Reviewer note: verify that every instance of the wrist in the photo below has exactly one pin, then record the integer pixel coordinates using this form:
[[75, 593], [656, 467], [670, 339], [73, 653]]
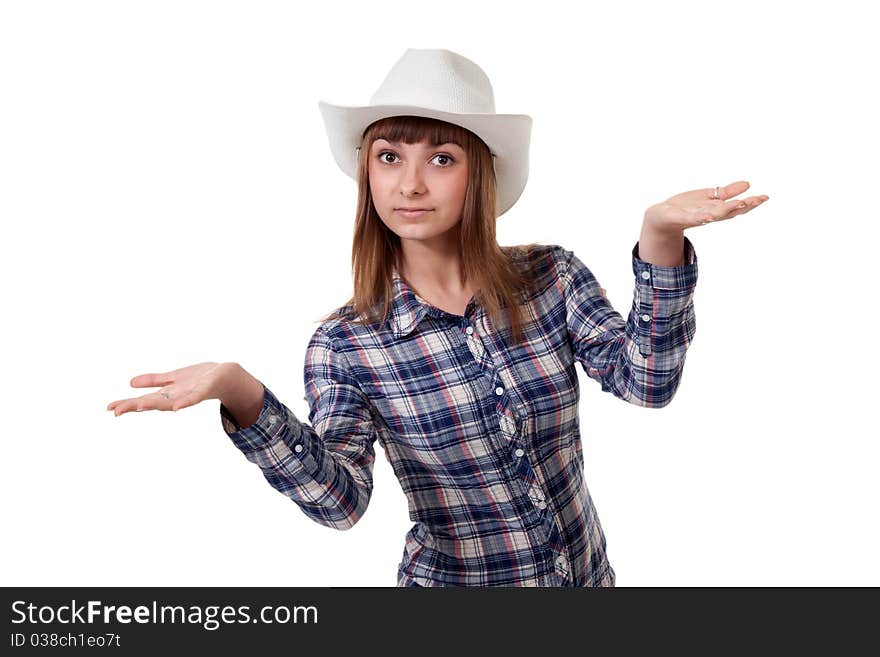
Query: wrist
[[230, 382], [653, 227], [242, 394], [661, 246]]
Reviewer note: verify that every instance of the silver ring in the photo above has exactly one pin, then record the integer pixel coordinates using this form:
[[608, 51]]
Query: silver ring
[[715, 195]]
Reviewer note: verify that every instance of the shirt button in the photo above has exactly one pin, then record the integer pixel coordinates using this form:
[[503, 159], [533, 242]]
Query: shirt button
[[542, 504], [469, 330], [646, 274], [646, 318], [519, 452], [298, 448], [272, 419], [499, 390]]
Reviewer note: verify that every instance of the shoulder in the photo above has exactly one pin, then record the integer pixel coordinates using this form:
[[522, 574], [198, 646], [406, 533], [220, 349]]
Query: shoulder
[[545, 263], [531, 257], [343, 329], [536, 256], [336, 322]]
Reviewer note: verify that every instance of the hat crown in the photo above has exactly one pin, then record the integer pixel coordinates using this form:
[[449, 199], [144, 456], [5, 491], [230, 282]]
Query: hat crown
[[437, 78]]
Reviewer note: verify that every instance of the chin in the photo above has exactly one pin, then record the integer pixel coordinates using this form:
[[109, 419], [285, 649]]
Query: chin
[[411, 233], [419, 232]]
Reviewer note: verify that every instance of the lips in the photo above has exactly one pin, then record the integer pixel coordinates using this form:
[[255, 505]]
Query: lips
[[411, 213]]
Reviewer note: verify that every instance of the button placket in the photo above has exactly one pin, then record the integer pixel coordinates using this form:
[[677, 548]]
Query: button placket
[[502, 417], [562, 566], [508, 426], [475, 345], [509, 419], [536, 495]]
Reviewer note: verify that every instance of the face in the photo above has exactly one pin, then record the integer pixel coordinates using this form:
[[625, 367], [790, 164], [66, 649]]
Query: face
[[418, 176]]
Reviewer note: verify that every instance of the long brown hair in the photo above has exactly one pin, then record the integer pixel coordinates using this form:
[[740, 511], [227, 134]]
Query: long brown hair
[[376, 249]]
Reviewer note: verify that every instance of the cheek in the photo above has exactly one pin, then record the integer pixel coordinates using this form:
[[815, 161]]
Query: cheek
[[458, 188], [378, 189]]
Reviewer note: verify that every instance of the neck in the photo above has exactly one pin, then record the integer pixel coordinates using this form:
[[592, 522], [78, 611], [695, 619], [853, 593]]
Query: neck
[[433, 265]]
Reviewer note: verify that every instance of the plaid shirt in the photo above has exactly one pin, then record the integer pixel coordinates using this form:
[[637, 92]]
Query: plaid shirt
[[483, 435]]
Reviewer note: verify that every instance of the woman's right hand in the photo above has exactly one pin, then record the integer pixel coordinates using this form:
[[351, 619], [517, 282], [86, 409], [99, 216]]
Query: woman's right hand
[[179, 388]]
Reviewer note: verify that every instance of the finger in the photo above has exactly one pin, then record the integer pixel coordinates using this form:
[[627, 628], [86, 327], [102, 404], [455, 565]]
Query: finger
[[153, 380], [721, 210], [740, 206], [121, 405], [754, 201], [129, 405], [728, 191], [151, 402]]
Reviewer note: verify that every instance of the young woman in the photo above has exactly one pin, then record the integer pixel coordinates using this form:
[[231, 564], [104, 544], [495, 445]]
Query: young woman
[[457, 354]]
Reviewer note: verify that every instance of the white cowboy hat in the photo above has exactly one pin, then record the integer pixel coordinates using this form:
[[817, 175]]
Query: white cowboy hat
[[439, 84]]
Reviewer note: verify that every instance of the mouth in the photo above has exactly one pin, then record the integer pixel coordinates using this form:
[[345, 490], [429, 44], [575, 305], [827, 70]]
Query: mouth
[[412, 212]]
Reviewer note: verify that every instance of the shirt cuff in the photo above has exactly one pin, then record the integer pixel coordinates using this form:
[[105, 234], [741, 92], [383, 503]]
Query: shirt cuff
[[289, 454], [263, 431], [663, 302], [667, 278]]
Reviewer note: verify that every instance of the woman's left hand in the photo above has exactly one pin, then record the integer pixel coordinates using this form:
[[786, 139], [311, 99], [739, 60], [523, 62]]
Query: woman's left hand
[[698, 207]]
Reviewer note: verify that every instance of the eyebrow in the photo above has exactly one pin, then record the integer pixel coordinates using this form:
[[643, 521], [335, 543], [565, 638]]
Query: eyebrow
[[398, 144]]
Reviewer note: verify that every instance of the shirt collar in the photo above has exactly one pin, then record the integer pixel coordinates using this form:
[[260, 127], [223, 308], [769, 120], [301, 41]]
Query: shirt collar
[[407, 308]]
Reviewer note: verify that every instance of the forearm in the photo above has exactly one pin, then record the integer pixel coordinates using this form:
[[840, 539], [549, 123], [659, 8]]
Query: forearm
[[665, 249], [329, 475], [244, 397], [638, 359], [647, 362]]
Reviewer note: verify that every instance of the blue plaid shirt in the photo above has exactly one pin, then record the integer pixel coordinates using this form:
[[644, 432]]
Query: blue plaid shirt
[[483, 435]]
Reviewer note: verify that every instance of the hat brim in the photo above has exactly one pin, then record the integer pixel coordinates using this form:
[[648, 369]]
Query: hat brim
[[507, 136]]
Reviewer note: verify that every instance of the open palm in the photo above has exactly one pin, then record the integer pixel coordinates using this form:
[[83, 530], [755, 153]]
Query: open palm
[[698, 207], [179, 388]]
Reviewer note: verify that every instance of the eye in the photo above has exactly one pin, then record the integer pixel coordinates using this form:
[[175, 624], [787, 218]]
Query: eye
[[382, 154]]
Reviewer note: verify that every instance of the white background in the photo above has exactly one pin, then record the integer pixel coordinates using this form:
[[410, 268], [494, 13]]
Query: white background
[[168, 196]]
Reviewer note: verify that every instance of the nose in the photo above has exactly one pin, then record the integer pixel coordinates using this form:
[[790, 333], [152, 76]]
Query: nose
[[411, 181]]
